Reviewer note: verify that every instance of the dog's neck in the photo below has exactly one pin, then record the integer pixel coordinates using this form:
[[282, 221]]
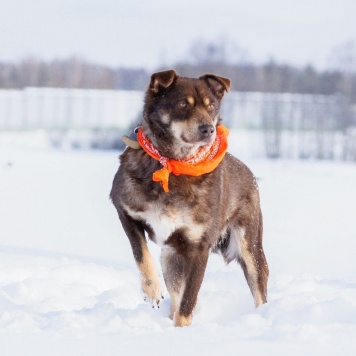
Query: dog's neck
[[206, 159]]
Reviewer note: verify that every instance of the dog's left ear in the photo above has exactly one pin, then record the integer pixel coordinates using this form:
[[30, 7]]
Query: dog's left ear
[[217, 84], [162, 80]]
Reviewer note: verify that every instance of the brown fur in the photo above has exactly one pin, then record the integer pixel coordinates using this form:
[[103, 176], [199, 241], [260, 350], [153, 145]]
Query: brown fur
[[218, 211]]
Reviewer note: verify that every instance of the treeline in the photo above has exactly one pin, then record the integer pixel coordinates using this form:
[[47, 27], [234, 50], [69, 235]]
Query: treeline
[[273, 77], [69, 73], [269, 77]]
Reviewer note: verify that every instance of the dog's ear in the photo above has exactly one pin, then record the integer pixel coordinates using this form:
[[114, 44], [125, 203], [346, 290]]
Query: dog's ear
[[162, 80], [217, 84]]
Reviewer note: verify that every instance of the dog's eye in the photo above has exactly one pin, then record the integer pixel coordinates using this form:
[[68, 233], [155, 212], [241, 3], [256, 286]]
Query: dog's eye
[[183, 104]]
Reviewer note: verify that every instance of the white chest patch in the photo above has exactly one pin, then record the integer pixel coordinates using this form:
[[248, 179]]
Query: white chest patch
[[164, 223]]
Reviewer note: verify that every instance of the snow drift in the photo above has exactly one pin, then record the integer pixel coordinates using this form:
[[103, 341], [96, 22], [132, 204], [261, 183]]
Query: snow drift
[[69, 285]]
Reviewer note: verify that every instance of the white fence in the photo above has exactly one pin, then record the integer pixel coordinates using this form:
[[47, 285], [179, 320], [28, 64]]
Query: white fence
[[77, 109], [64, 109], [308, 126]]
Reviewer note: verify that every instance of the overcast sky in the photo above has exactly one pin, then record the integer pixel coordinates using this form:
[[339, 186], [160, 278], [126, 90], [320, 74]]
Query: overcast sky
[[160, 32]]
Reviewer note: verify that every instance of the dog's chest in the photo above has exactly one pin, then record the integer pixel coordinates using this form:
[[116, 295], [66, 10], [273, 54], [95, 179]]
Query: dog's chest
[[164, 221]]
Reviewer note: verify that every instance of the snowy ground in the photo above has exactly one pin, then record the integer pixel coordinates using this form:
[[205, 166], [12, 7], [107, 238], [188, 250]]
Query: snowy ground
[[69, 285]]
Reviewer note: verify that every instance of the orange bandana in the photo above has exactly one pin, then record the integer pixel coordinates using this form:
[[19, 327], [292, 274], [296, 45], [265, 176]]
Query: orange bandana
[[204, 161]]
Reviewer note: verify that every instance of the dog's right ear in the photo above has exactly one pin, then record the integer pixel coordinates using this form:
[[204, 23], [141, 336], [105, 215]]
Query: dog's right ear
[[162, 80]]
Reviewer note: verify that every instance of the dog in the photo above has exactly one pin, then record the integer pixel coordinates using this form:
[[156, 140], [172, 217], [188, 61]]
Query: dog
[[179, 187]]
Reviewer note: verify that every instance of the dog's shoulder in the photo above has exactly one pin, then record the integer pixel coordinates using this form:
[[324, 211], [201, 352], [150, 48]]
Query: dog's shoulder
[[134, 177]]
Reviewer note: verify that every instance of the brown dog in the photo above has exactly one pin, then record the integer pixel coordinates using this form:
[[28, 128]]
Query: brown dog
[[190, 213]]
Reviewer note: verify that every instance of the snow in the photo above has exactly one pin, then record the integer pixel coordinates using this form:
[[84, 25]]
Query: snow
[[69, 284]]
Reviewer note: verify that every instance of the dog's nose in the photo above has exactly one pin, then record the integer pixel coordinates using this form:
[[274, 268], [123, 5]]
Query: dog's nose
[[206, 130]]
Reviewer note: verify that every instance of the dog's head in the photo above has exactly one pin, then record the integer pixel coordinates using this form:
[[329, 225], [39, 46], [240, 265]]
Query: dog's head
[[180, 113]]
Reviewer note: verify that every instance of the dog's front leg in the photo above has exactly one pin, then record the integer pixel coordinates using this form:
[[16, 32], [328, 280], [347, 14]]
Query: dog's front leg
[[183, 270], [196, 265], [150, 282]]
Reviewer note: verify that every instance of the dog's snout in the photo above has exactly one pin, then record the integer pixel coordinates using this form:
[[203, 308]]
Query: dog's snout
[[206, 130]]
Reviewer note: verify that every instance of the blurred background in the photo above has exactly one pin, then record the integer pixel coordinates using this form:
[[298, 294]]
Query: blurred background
[[72, 73]]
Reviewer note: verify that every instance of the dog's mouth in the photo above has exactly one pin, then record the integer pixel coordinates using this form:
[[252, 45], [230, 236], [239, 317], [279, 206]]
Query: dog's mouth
[[199, 142]]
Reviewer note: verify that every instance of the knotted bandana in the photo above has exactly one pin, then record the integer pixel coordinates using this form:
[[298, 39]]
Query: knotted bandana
[[206, 159]]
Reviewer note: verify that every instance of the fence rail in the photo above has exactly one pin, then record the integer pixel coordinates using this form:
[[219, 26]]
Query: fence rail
[[49, 108], [321, 126], [63, 109]]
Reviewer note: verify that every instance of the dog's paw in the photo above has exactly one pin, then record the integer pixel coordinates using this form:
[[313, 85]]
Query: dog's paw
[[152, 292], [154, 302], [180, 320]]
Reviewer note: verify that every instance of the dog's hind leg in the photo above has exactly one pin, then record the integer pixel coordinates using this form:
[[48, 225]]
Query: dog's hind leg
[[150, 282], [253, 262]]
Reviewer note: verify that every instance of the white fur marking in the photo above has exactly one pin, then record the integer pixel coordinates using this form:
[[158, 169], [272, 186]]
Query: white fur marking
[[178, 128], [239, 235], [165, 118], [164, 223], [234, 249]]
